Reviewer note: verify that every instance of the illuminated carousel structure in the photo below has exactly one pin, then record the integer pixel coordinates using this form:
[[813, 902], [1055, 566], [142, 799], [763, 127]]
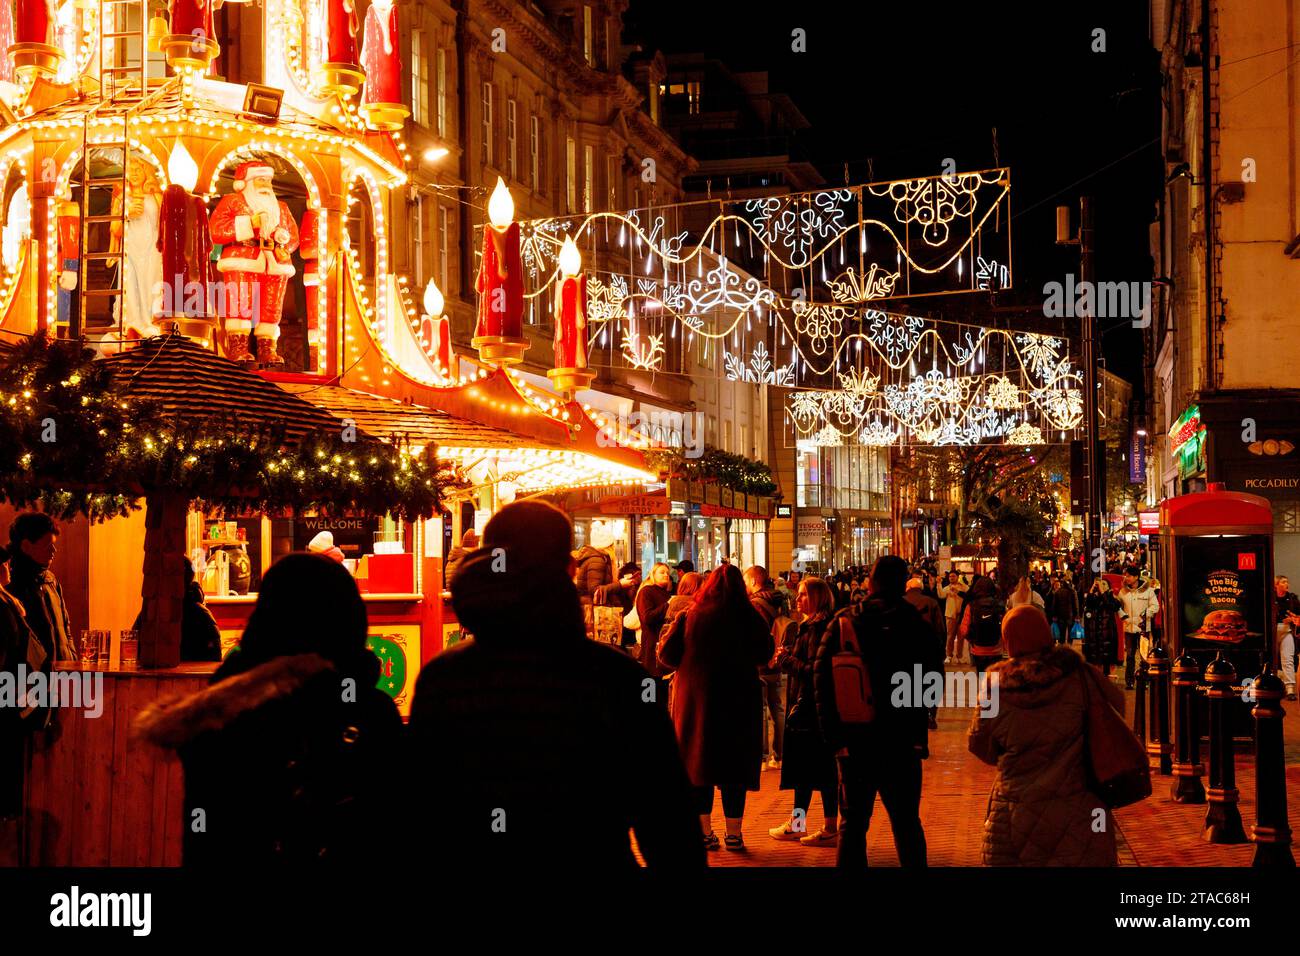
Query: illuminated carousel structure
[[112, 160]]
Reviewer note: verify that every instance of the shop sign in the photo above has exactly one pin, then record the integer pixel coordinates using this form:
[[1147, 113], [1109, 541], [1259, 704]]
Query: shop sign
[[1148, 522], [636, 505], [717, 511], [811, 526], [1183, 430], [1137, 459], [353, 536], [784, 511], [1263, 484]]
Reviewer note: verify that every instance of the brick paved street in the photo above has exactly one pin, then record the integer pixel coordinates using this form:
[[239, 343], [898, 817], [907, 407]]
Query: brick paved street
[[1156, 832]]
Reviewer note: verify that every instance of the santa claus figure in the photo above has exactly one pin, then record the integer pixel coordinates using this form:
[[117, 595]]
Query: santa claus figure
[[258, 236], [310, 250], [382, 101]]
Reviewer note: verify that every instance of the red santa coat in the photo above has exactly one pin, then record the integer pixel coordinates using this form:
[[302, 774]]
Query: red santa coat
[[244, 248], [309, 247]]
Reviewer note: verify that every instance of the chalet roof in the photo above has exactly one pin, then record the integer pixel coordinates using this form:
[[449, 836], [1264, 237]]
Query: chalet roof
[[400, 422], [195, 385]]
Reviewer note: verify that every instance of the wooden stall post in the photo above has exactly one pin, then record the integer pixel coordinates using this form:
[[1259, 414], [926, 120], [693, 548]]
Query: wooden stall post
[[163, 588]]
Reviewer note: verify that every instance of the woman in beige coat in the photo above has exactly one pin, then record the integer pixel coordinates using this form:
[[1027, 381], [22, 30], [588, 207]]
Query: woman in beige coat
[[1040, 811]]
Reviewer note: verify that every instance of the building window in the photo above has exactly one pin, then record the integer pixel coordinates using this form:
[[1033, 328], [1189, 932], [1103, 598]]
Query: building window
[[655, 90], [693, 96], [417, 242], [608, 45], [706, 352], [588, 45], [588, 178], [535, 152], [726, 435], [512, 140], [611, 183], [442, 93], [571, 174], [744, 448], [487, 124], [444, 249], [419, 80]]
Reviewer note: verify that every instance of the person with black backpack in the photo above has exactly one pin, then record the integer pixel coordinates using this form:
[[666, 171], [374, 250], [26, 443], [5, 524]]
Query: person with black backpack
[[878, 742], [981, 623]]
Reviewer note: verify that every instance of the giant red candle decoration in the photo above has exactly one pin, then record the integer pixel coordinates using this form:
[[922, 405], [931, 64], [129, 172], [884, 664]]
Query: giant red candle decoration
[[498, 335], [190, 44], [437, 331], [571, 372], [32, 51], [339, 71], [186, 247], [381, 103]]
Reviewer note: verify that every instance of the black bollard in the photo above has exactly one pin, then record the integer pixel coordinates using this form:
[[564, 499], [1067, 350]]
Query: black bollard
[[1187, 767], [1271, 832], [1140, 698], [1159, 748], [1222, 818]]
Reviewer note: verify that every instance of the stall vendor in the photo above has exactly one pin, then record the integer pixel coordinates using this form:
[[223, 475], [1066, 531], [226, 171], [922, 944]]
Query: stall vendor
[[323, 543]]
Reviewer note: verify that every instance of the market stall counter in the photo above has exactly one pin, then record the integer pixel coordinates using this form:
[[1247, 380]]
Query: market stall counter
[[93, 795]]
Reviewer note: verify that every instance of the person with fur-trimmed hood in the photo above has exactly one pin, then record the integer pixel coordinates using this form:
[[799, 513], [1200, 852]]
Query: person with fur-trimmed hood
[[289, 752], [1041, 812]]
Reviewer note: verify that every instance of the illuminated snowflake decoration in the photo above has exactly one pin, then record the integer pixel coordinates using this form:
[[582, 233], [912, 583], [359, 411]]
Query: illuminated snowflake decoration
[[828, 437], [760, 369], [894, 336], [805, 410], [990, 276], [1025, 434], [933, 203], [875, 283], [605, 300], [821, 325], [1063, 406], [877, 435], [859, 382], [643, 355], [800, 222], [723, 288], [1039, 352], [1003, 394]]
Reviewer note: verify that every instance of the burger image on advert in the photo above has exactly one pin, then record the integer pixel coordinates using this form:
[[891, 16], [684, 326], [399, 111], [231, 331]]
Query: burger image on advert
[[1226, 626]]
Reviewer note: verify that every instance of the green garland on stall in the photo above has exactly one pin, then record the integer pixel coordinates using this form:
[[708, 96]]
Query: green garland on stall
[[724, 469], [72, 444]]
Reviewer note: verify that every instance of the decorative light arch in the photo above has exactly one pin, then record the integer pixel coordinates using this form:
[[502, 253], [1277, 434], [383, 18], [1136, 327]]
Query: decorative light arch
[[8, 285]]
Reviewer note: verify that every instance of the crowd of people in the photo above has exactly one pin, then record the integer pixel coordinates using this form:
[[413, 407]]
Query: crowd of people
[[531, 727]]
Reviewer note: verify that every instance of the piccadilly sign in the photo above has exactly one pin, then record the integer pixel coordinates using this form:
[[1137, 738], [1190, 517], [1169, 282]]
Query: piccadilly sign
[[636, 505]]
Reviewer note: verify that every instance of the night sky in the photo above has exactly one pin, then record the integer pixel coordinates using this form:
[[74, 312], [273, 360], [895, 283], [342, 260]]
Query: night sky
[[913, 83]]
